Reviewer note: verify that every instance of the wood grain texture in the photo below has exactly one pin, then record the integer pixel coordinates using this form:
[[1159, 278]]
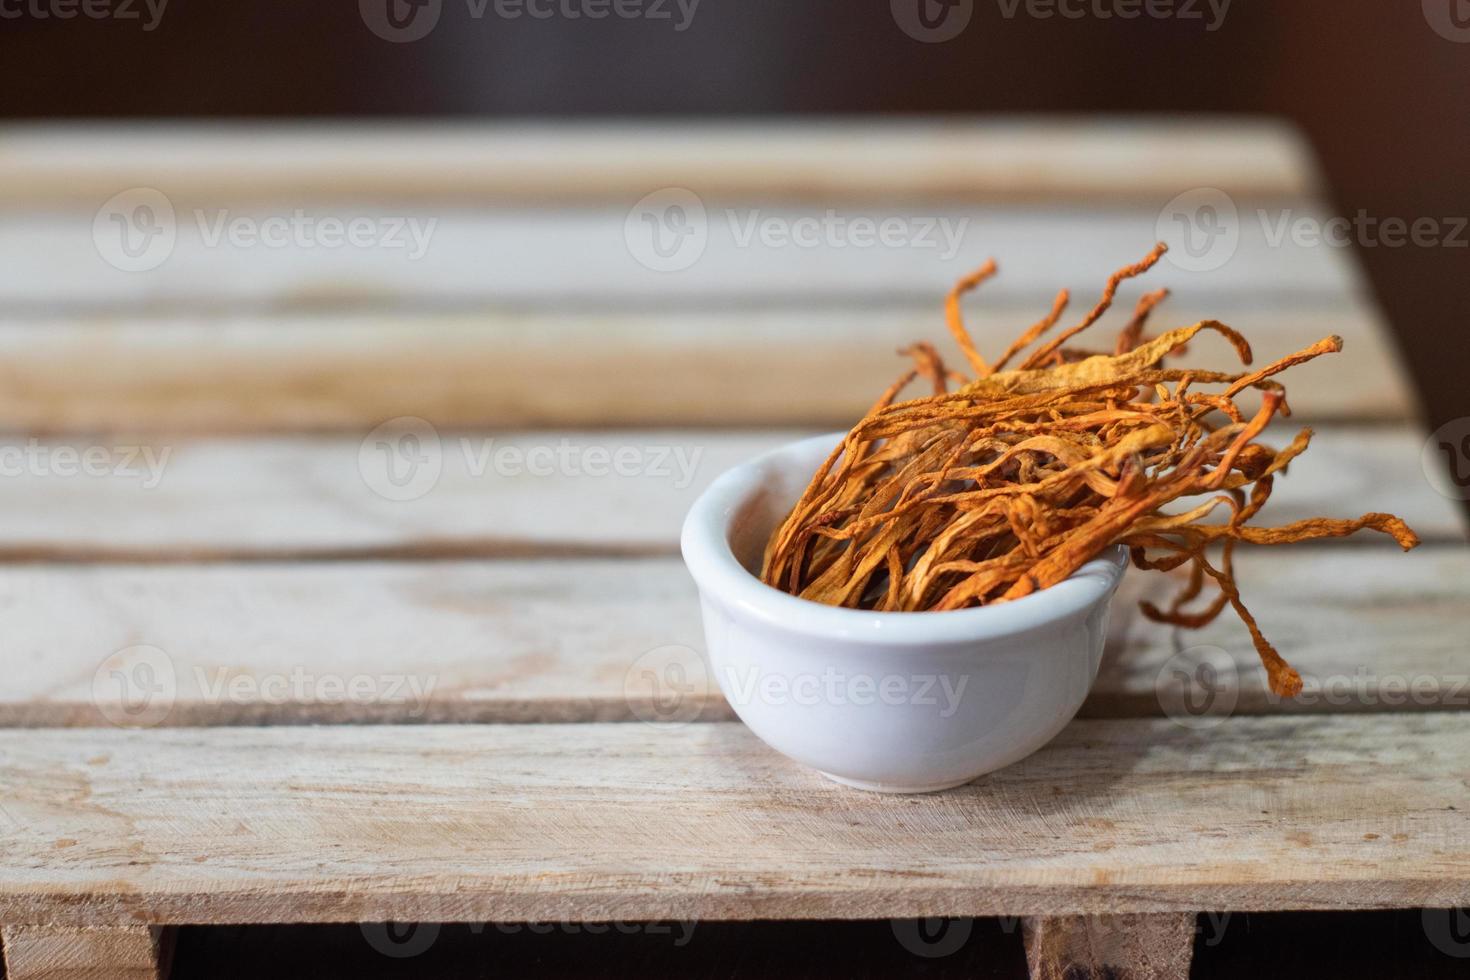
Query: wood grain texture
[[593, 257], [137, 952], [1370, 631], [500, 368], [501, 495], [589, 640], [597, 822], [976, 158], [1118, 947]]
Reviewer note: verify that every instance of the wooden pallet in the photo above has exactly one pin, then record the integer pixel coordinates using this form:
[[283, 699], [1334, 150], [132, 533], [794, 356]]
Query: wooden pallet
[[475, 664]]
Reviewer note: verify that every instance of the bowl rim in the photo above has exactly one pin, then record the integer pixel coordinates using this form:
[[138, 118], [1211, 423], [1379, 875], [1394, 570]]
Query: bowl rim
[[720, 576]]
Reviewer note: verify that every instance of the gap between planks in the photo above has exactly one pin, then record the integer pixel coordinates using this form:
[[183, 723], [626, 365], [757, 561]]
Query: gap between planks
[[591, 823], [1371, 630], [1120, 947]]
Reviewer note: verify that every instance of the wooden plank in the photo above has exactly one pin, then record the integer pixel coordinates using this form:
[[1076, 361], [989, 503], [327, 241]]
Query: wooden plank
[[281, 644], [968, 157], [496, 495], [572, 368], [1370, 631], [739, 254], [545, 822], [84, 952], [1117, 947], [589, 640]]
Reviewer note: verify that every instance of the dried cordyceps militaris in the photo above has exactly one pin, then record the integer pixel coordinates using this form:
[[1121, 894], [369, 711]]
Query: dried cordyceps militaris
[[1018, 478]]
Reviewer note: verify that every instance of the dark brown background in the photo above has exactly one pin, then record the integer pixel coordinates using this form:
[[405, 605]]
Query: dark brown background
[[1384, 98]]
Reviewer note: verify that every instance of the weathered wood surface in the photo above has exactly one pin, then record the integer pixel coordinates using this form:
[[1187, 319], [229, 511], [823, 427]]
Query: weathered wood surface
[[1110, 947], [119, 952], [532, 305], [785, 365], [500, 495], [591, 640], [595, 822], [413, 258], [1083, 160]]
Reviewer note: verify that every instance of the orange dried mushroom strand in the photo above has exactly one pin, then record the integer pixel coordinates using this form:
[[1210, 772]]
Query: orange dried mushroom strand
[[1018, 478]]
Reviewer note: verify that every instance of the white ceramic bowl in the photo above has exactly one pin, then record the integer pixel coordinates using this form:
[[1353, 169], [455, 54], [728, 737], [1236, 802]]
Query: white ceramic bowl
[[892, 702]]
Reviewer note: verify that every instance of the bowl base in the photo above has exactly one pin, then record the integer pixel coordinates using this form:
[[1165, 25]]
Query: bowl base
[[896, 788]]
